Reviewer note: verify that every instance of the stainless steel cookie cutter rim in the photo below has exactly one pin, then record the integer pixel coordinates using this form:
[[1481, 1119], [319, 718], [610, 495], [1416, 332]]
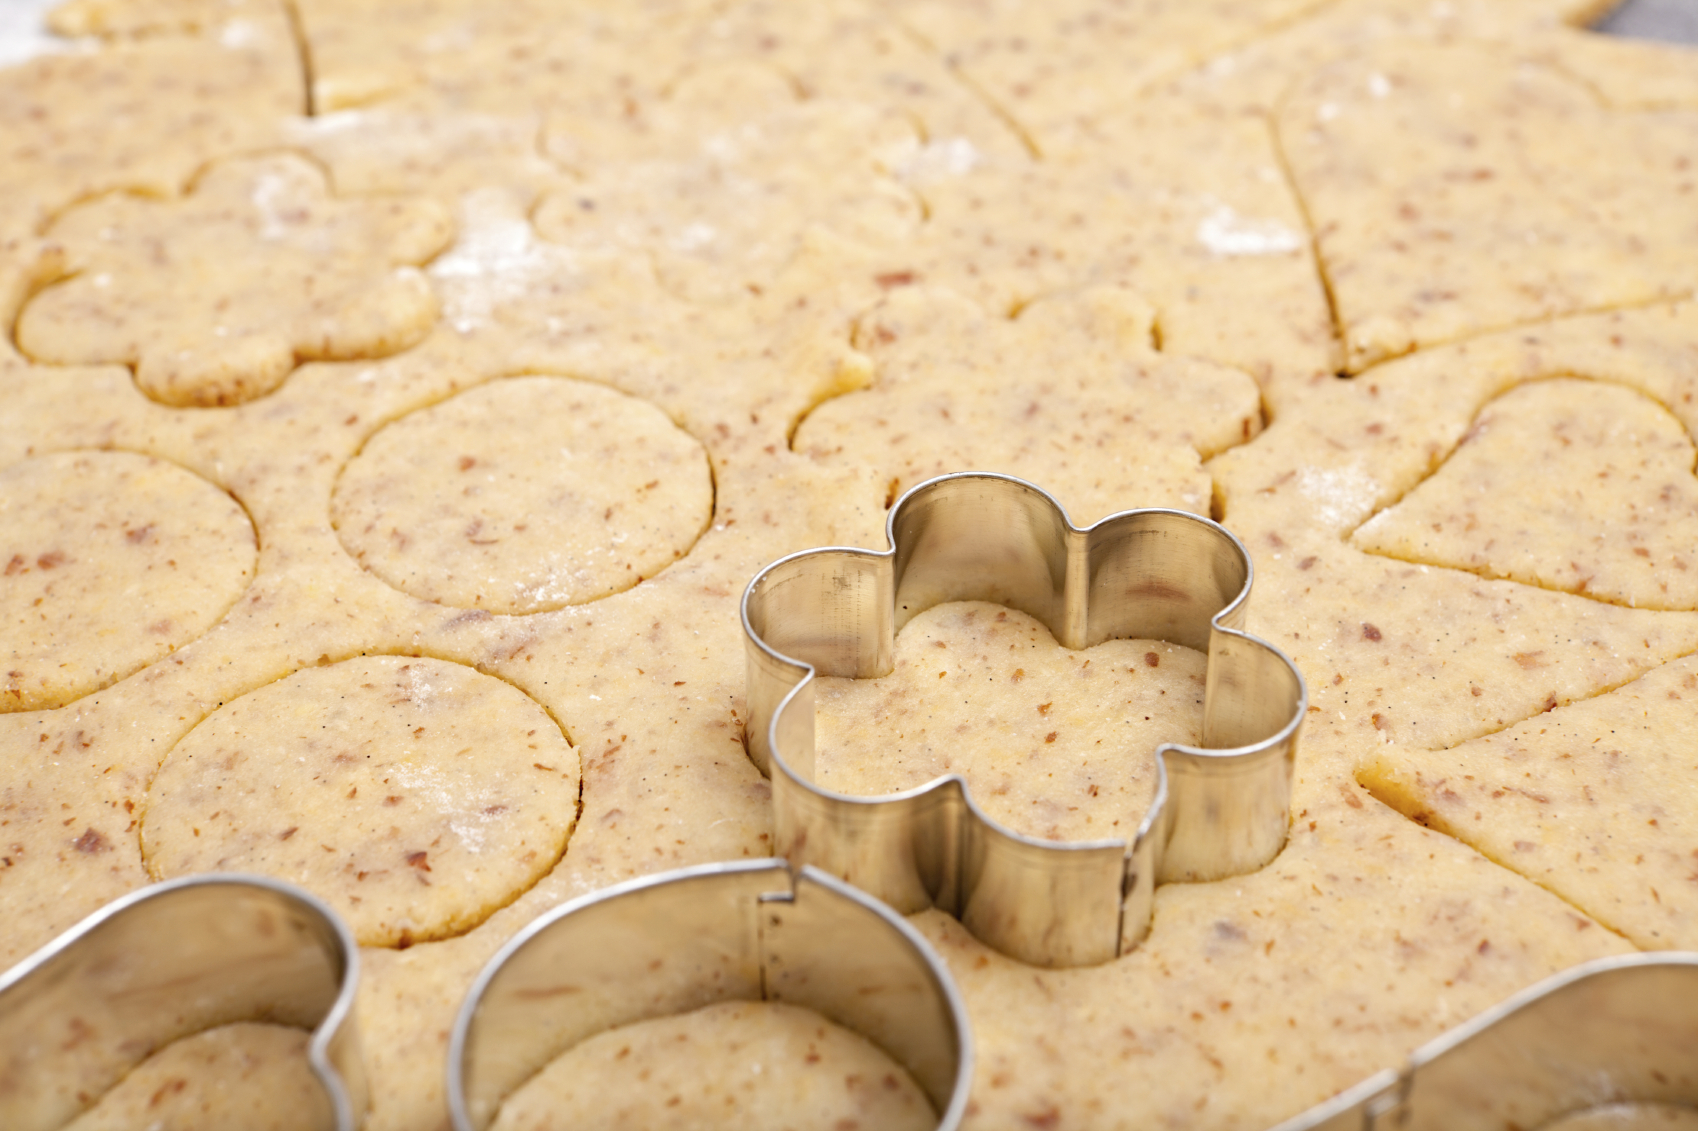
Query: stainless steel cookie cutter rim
[[1544, 1048], [333, 1052], [947, 1052], [857, 599]]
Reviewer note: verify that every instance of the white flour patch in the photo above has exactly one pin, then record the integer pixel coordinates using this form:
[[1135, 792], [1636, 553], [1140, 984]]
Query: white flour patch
[[1341, 495], [1225, 232]]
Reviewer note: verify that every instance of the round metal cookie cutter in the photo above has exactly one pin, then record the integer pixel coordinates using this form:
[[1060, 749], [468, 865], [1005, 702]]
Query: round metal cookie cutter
[[168, 961], [1220, 809], [681, 940]]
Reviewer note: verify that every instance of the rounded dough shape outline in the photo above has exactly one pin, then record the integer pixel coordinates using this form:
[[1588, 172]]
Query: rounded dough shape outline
[[487, 909], [1347, 536], [121, 673], [552, 606]]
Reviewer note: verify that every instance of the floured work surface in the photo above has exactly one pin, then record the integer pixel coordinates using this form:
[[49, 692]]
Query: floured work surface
[[400, 394]]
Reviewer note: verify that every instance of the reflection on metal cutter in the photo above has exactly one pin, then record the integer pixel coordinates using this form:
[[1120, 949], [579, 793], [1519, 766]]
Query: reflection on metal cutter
[[169, 961], [1220, 810], [685, 939], [1617, 1030]]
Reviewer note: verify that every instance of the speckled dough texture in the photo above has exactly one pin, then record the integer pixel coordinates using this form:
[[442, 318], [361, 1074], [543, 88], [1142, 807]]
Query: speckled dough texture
[[399, 395]]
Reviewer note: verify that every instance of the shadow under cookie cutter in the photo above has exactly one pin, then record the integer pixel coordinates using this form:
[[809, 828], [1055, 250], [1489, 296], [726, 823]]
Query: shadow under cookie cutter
[[678, 941], [169, 961], [1612, 1031], [1219, 810]]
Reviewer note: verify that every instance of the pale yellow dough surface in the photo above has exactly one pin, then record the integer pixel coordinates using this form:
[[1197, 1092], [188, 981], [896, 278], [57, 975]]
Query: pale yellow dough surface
[[759, 265], [1053, 744], [108, 561], [436, 795], [1630, 1117], [765, 1067], [247, 1075], [215, 298], [1619, 523], [524, 495]]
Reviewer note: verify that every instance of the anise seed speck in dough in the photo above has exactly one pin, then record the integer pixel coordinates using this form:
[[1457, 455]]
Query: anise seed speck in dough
[[415, 796], [108, 561], [524, 495]]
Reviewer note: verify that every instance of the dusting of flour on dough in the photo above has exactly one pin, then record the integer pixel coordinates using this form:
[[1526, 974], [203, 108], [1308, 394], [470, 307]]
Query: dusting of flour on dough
[[1225, 232]]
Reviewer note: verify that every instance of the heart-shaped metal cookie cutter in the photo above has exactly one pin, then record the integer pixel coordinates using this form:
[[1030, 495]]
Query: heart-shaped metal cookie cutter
[[1220, 809], [169, 961], [666, 944], [1620, 1030]]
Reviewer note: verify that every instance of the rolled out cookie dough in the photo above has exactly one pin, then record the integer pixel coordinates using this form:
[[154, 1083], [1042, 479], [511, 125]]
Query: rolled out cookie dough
[[415, 795], [1596, 801], [1053, 743], [1447, 200], [523, 495], [1566, 484], [1070, 395], [250, 1076], [215, 297], [758, 1066], [109, 561]]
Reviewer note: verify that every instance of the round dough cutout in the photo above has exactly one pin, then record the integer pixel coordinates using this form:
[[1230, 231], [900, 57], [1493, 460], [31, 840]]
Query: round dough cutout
[[525, 495], [416, 796], [108, 562]]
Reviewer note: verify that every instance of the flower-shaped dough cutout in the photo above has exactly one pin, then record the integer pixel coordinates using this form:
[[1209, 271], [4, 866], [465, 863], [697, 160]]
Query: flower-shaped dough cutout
[[1054, 743], [1053, 396], [108, 562], [525, 495], [1566, 484], [214, 298], [416, 796]]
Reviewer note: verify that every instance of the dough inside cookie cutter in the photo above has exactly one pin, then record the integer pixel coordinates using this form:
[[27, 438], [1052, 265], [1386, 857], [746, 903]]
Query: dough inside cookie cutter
[[681, 940], [1221, 809], [169, 961], [1616, 1030]]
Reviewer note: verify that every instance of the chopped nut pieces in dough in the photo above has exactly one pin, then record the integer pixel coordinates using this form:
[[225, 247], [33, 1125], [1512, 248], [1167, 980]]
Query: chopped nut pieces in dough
[[414, 795], [1618, 522], [762, 1066], [854, 166], [261, 268], [1054, 744], [524, 495], [1593, 800], [223, 1078], [1070, 395], [721, 222], [142, 116], [1447, 198], [108, 561]]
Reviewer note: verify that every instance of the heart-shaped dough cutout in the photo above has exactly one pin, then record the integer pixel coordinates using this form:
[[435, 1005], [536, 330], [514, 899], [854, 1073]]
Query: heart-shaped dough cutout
[[1565, 484]]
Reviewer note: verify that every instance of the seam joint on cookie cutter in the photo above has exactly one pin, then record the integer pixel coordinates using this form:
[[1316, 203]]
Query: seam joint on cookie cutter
[[1220, 809], [169, 961], [681, 940]]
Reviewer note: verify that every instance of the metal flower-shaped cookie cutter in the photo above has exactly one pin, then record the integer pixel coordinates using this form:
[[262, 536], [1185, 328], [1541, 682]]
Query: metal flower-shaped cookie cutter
[[681, 940], [1617, 1030], [1219, 810], [169, 961]]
